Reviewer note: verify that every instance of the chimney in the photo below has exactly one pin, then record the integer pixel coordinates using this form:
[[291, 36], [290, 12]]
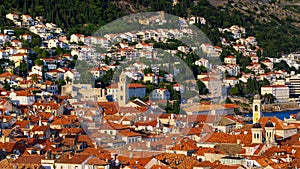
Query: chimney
[[172, 116], [40, 121], [71, 154], [288, 159], [238, 141], [3, 138], [148, 144], [103, 92], [130, 155]]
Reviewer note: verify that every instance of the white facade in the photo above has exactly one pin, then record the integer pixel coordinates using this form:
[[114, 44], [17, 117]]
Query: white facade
[[294, 85], [230, 60], [77, 38], [22, 98], [160, 94], [281, 92]]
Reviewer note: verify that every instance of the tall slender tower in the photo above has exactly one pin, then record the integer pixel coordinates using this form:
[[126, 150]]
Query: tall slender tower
[[123, 90], [256, 109]]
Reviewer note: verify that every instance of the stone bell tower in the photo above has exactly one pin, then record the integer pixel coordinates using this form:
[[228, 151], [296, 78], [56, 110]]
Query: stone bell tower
[[123, 90]]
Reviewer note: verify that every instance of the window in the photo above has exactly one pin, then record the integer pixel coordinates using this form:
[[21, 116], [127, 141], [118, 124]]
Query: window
[[121, 97], [121, 88], [256, 108]]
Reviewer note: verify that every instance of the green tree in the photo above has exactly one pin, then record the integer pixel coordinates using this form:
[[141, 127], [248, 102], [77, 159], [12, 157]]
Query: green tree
[[6, 85], [234, 91], [202, 88], [23, 69], [60, 83], [147, 70], [282, 65], [25, 9], [268, 98], [68, 79], [35, 78], [228, 101], [38, 62], [7, 44]]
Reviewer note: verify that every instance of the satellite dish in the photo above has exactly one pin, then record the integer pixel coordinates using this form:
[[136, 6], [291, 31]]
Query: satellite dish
[[3, 93]]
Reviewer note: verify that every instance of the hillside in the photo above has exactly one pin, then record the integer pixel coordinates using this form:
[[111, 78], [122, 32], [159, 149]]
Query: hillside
[[275, 24]]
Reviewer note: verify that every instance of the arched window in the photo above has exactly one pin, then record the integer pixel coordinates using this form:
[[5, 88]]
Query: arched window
[[256, 108]]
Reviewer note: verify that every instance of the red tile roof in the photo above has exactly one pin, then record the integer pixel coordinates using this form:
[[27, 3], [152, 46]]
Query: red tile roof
[[128, 133], [72, 159], [130, 85]]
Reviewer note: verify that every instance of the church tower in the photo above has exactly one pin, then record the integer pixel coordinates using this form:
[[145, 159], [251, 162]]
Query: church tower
[[123, 90], [270, 132], [257, 133], [256, 109]]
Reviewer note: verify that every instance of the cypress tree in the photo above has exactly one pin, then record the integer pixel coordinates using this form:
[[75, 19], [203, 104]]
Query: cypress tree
[[25, 10]]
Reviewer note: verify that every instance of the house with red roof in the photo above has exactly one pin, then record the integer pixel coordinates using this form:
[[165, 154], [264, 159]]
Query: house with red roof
[[7, 76], [22, 97], [16, 43], [18, 57], [148, 125], [98, 71], [26, 18], [230, 60], [72, 75], [54, 74], [268, 63], [186, 147], [129, 136], [5, 105], [41, 132], [12, 16], [232, 81], [209, 154], [160, 94], [26, 37], [73, 160], [76, 38]]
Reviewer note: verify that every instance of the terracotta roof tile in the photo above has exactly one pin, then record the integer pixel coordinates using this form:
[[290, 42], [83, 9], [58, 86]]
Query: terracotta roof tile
[[73, 159]]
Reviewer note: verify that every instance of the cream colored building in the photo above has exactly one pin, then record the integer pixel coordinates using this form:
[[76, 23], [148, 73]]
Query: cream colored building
[[83, 92]]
